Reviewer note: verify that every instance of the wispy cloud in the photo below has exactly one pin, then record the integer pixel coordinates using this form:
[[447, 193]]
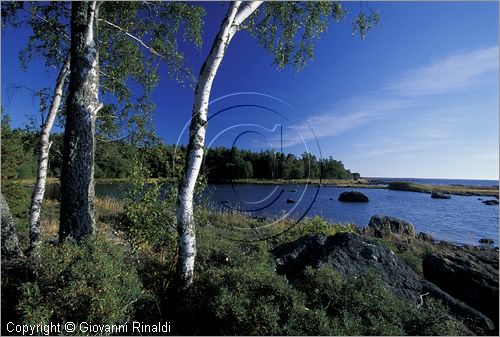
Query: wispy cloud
[[448, 75]]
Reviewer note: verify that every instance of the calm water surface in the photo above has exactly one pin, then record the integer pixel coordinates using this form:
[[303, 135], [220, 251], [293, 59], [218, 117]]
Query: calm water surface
[[459, 219]]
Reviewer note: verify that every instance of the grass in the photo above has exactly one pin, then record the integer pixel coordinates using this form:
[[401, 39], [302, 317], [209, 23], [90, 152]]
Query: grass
[[450, 189], [236, 289]]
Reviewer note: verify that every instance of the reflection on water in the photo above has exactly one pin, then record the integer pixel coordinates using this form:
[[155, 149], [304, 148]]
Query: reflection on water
[[459, 219]]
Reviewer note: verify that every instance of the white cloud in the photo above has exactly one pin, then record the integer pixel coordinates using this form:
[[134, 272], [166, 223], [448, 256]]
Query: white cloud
[[448, 75]]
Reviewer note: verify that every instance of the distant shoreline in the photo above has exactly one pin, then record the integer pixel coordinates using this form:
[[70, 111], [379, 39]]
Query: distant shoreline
[[454, 189]]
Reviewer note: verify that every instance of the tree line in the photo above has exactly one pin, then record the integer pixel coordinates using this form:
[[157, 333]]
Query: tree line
[[99, 48], [116, 159]]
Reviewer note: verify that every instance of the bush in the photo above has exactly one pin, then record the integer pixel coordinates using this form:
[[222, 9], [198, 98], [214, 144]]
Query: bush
[[413, 261], [238, 292], [315, 225], [362, 306], [150, 209], [85, 281]]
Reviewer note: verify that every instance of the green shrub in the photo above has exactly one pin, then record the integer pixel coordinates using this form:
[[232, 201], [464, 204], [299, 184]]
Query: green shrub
[[150, 209], [244, 295], [362, 306], [413, 261], [85, 281]]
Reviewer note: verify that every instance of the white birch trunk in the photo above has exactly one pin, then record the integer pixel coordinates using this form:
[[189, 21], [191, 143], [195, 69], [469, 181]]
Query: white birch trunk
[[43, 157], [194, 156]]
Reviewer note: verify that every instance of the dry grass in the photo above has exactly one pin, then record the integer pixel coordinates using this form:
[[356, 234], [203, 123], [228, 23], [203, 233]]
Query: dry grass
[[109, 204], [451, 189], [50, 227]]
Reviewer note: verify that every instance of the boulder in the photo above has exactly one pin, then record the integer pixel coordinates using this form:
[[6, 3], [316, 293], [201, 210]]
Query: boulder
[[356, 256], [470, 276], [353, 196], [290, 201], [381, 226], [490, 202], [10, 240], [352, 255], [439, 195], [425, 237]]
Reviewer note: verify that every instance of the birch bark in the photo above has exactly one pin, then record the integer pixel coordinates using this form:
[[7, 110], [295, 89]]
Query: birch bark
[[43, 157], [236, 14], [77, 216]]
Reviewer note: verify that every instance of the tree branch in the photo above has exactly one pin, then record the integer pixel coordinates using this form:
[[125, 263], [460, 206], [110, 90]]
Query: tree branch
[[151, 49], [34, 14], [245, 11]]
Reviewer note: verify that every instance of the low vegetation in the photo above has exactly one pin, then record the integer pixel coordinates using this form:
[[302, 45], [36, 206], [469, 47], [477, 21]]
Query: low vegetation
[[236, 291], [448, 189]]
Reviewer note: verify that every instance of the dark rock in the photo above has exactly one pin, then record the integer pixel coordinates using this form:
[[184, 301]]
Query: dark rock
[[490, 202], [425, 237], [486, 242], [386, 227], [439, 195], [290, 201], [292, 191], [353, 196], [356, 256], [10, 240], [352, 255], [471, 276]]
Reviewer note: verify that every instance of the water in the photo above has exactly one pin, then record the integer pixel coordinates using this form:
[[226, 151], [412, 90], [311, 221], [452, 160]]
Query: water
[[461, 219]]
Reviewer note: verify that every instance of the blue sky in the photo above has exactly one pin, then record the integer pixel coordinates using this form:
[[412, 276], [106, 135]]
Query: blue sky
[[417, 98]]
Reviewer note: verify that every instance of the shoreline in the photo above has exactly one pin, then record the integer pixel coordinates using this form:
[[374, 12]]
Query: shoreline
[[453, 189]]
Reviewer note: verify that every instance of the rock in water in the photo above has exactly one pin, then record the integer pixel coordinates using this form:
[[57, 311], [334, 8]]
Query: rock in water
[[290, 201], [470, 276], [439, 195], [381, 226], [353, 196], [490, 202]]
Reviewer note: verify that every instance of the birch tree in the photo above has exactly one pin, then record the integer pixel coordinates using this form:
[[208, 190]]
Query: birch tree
[[134, 37], [77, 217], [288, 31], [43, 156]]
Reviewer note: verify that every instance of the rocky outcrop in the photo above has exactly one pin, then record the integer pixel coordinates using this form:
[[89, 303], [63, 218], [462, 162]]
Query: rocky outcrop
[[352, 255], [439, 195], [471, 276], [490, 202], [355, 255], [353, 196], [10, 241], [381, 226]]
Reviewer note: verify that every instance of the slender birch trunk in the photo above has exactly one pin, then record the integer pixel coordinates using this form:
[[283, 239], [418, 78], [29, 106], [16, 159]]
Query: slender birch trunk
[[194, 155], [43, 157], [77, 217]]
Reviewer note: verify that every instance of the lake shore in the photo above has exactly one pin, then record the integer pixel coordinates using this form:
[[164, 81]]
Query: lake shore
[[366, 183], [453, 189]]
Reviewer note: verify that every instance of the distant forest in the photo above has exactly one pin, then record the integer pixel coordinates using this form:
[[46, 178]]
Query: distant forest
[[118, 158]]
